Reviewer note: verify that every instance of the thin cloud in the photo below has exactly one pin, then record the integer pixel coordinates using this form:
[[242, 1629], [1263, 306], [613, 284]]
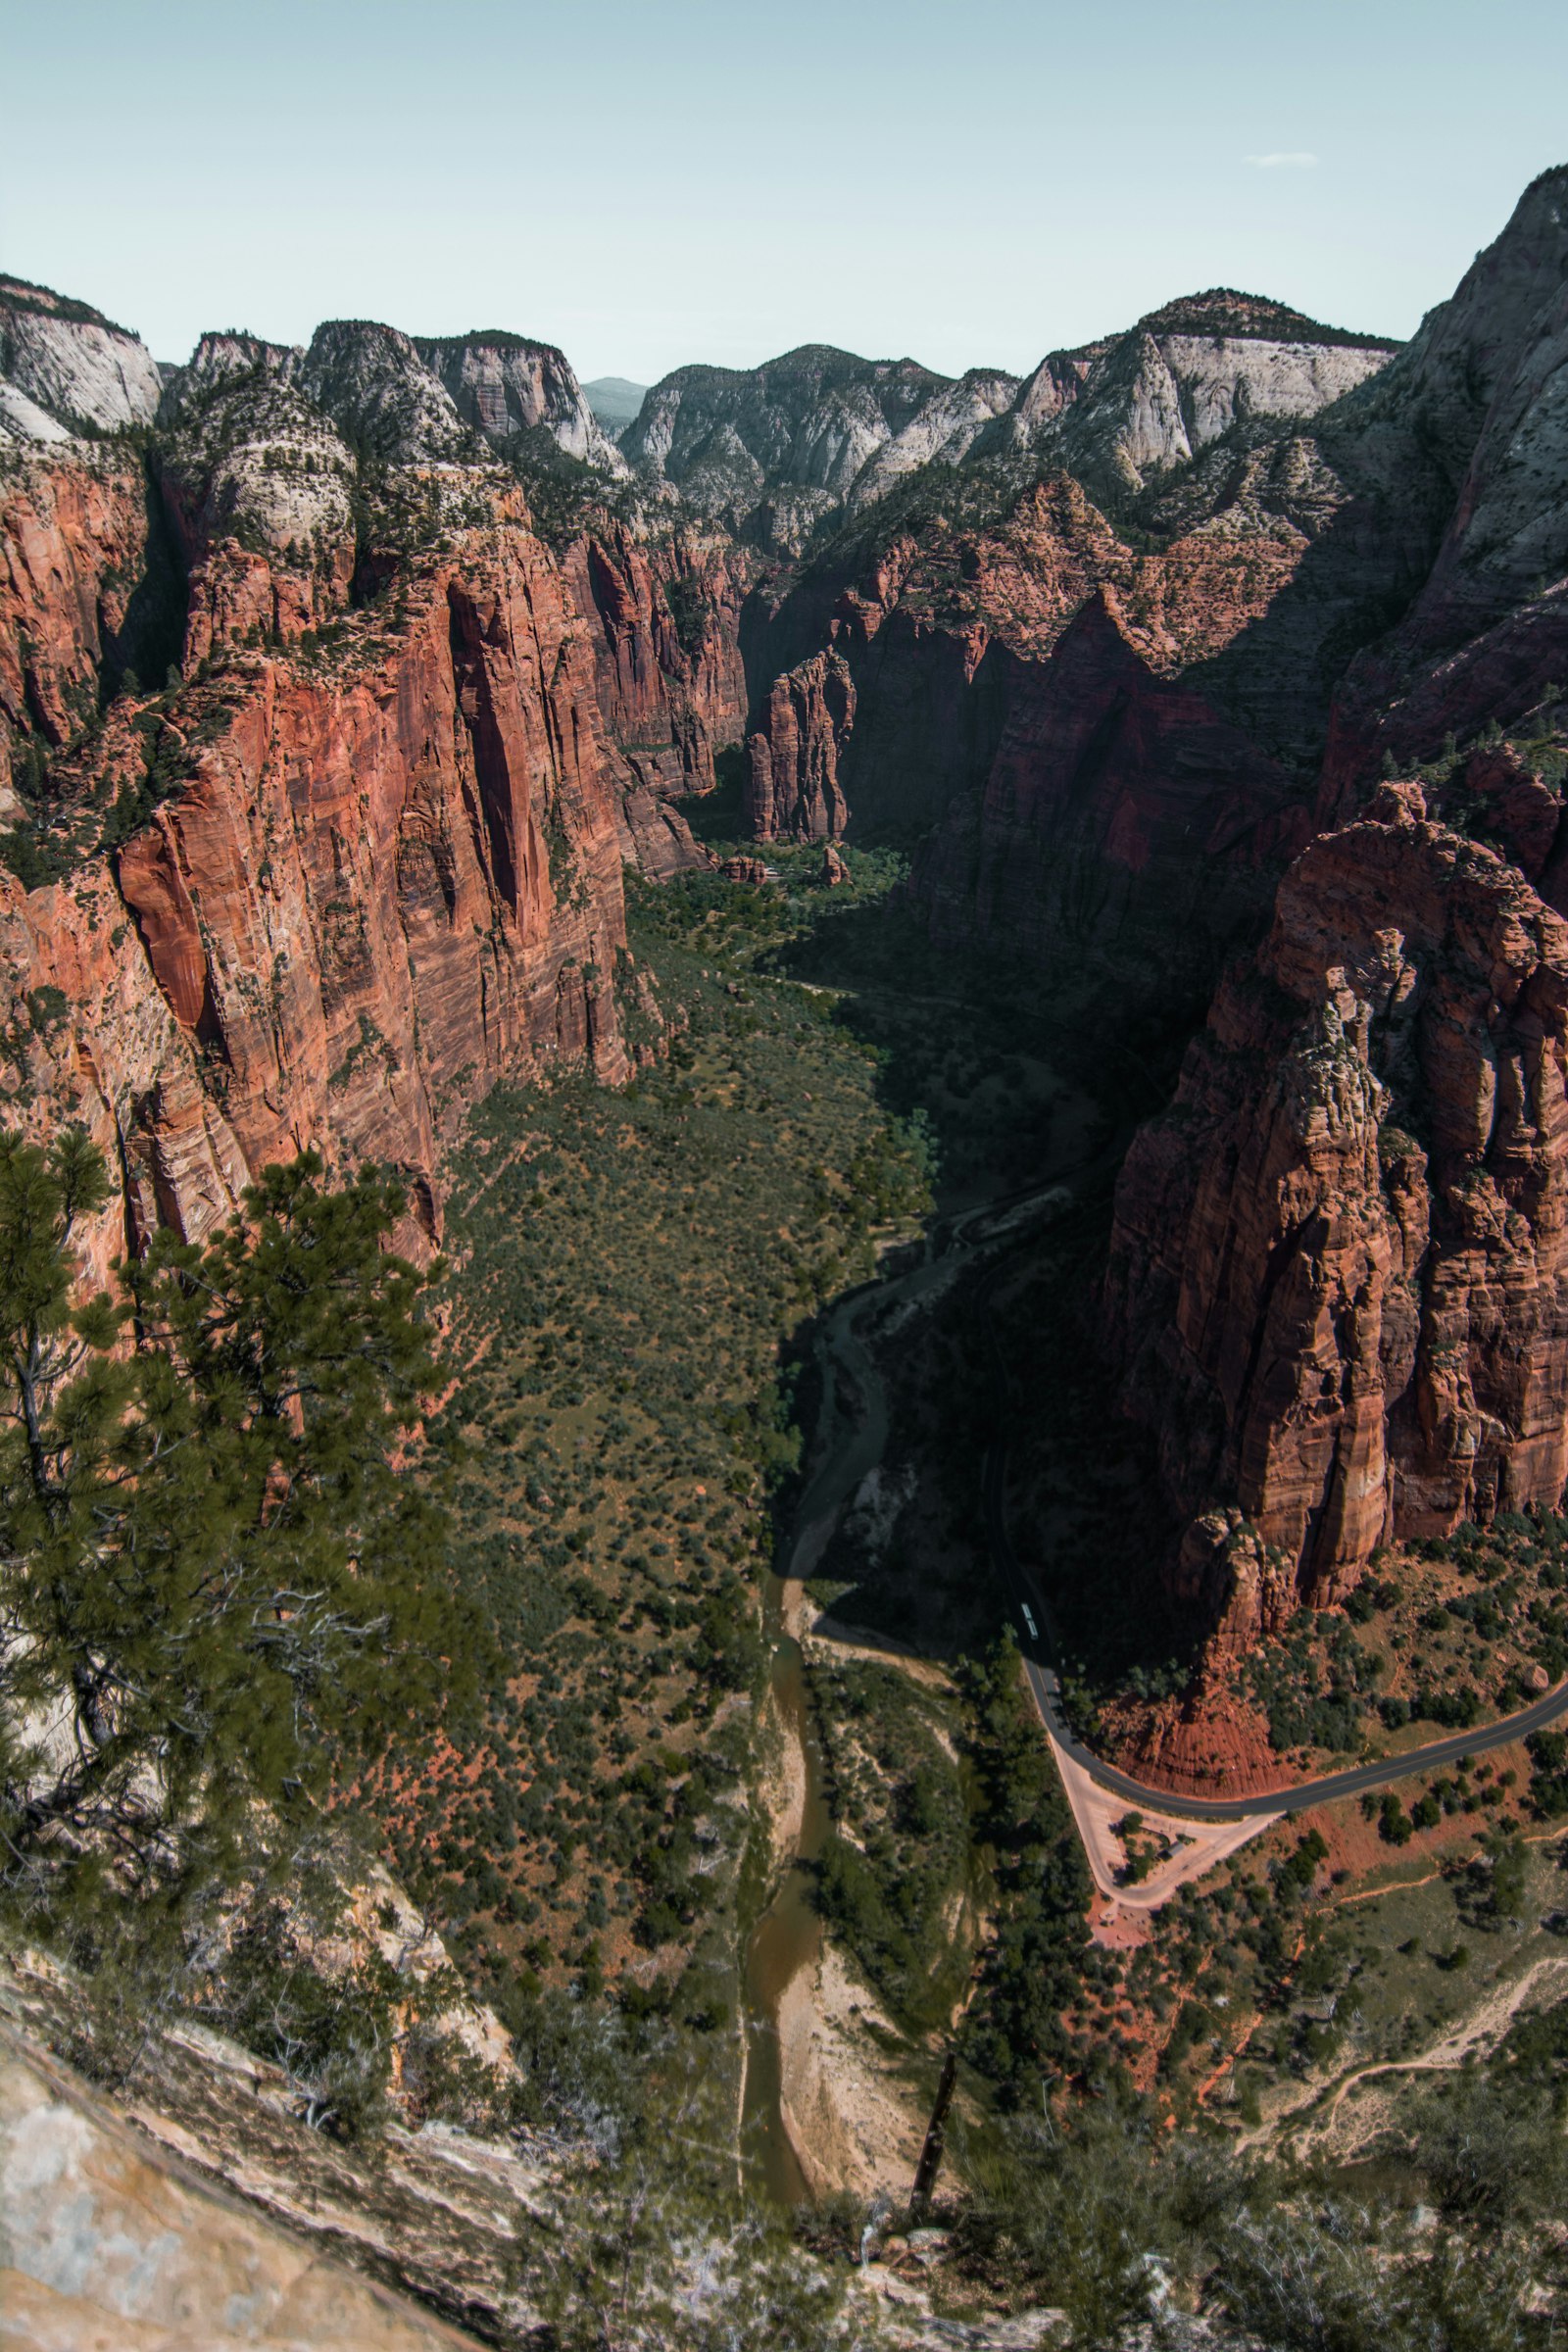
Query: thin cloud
[[1296, 159]]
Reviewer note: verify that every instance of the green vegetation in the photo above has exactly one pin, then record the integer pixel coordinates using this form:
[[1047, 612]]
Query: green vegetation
[[1117, 2225], [1314, 1685], [627, 1269], [217, 1596], [567, 497], [1015, 2035], [214, 1582], [895, 1877]]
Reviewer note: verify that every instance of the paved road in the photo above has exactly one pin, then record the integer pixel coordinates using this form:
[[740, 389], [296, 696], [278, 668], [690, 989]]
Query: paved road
[[848, 1463], [1037, 1640]]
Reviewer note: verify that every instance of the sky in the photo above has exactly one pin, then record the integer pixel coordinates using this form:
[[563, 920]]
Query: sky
[[649, 183]]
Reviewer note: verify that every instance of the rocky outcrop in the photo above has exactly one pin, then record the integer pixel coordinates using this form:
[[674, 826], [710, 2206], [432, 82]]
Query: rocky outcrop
[[262, 490], [1124, 410], [1339, 1280], [374, 385], [68, 367], [503, 385], [1121, 412], [109, 2239], [792, 782], [665, 621], [386, 887], [1481, 397], [773, 451], [942, 431]]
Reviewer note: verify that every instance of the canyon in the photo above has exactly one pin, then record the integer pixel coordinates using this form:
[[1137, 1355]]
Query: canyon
[[1215, 660], [965, 980]]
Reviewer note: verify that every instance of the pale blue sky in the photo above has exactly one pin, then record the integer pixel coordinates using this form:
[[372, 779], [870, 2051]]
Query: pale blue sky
[[647, 184]]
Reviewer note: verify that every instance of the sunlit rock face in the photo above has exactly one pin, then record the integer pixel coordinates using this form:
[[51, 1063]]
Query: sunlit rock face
[[1338, 1278]]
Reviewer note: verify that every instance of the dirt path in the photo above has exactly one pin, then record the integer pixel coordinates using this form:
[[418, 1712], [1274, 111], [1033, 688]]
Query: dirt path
[[1481, 2031]]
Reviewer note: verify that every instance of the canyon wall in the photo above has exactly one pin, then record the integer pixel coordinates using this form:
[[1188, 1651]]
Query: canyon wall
[[791, 780], [1336, 1285], [360, 856], [1111, 650], [665, 613], [1339, 1281], [74, 534], [322, 764]]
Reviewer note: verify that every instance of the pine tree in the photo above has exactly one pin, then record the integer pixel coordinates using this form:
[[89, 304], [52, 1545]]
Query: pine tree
[[215, 1586]]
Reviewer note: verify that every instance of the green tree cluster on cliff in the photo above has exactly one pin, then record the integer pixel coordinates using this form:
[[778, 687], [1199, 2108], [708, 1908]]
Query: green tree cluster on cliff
[[214, 1582], [1015, 2034]]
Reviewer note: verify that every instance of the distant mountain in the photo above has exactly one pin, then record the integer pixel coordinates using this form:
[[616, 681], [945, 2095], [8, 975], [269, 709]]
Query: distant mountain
[[505, 383], [777, 448], [1124, 409], [615, 400]]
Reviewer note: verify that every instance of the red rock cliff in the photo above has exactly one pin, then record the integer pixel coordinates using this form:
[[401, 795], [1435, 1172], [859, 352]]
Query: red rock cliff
[[391, 874], [72, 543], [1120, 808], [1339, 1277], [792, 784], [665, 617]]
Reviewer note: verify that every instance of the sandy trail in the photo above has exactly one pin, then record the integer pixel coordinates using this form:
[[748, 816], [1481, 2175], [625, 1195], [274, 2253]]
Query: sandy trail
[[1475, 2035]]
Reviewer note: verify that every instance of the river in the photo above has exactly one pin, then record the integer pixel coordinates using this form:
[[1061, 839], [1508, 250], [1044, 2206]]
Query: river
[[849, 1440]]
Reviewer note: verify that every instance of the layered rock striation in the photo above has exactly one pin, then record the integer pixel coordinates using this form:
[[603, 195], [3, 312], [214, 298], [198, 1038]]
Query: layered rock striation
[[1339, 1279], [64, 366], [73, 549], [1119, 413], [504, 384], [384, 881], [362, 853], [791, 780]]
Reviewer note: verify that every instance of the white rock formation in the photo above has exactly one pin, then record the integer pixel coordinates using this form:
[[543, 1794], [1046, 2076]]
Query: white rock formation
[[504, 384], [71, 362]]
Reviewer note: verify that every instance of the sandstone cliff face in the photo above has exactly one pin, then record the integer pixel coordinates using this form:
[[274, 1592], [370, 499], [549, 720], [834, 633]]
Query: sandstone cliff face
[[1121, 811], [1132, 405], [67, 365], [363, 853], [73, 545], [1098, 749], [390, 868], [385, 887], [1156, 400], [792, 784], [943, 429], [1338, 1278], [665, 617], [504, 384]]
